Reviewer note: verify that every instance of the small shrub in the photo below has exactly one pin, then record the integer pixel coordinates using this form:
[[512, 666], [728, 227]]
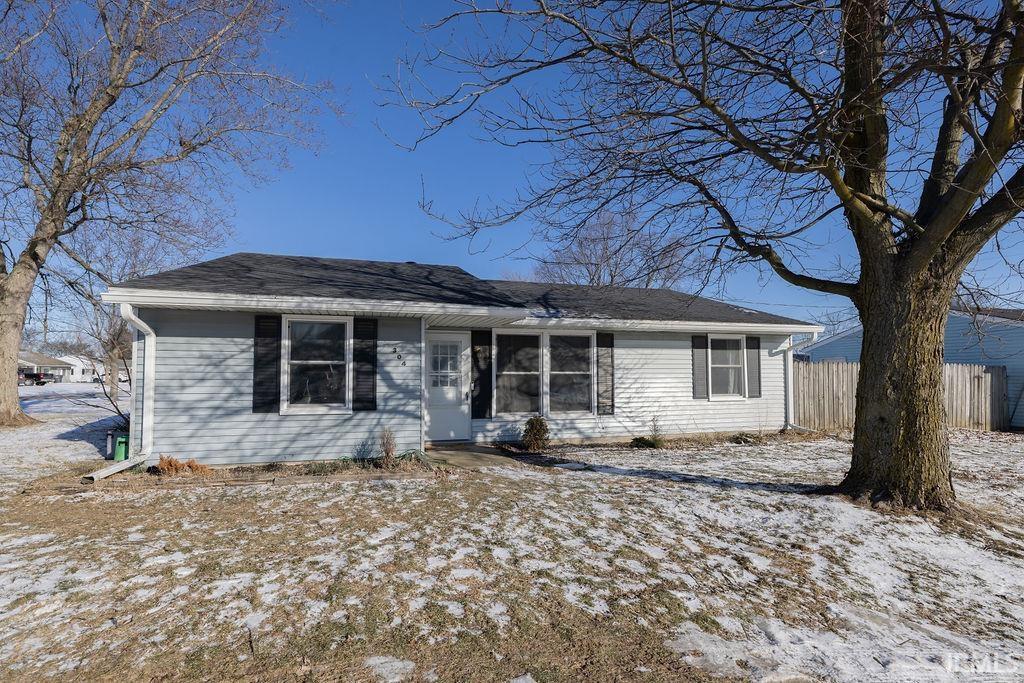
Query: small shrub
[[655, 439], [168, 466], [197, 468], [536, 437], [387, 450], [642, 442]]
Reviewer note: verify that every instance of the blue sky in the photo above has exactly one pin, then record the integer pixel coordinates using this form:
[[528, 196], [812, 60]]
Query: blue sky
[[358, 197]]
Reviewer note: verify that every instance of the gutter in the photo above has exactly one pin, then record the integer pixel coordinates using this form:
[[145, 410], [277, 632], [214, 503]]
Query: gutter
[[130, 315], [694, 326], [208, 301], [807, 343]]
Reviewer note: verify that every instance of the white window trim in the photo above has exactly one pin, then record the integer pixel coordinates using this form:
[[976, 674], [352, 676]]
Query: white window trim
[[743, 364], [306, 408], [545, 371]]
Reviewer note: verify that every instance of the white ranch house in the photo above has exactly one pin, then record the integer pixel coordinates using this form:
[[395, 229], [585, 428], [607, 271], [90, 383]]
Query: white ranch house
[[256, 358]]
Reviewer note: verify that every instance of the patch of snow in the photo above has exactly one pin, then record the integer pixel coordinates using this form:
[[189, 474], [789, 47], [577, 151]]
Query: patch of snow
[[390, 669]]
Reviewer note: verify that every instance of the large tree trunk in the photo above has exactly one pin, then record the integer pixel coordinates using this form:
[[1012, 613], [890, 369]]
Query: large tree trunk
[[15, 291], [900, 443]]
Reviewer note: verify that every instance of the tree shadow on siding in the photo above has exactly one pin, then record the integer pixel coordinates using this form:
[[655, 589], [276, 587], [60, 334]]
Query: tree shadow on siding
[[567, 464]]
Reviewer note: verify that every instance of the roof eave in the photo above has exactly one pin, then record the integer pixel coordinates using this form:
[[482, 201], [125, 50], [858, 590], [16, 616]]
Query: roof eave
[[211, 301], [546, 321], [518, 317]]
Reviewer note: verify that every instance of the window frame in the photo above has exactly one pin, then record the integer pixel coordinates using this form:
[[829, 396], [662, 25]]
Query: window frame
[[288, 408], [431, 373], [743, 369], [541, 361], [544, 337], [592, 337]]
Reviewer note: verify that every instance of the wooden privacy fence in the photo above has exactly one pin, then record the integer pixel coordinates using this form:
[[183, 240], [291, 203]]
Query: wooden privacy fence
[[824, 395]]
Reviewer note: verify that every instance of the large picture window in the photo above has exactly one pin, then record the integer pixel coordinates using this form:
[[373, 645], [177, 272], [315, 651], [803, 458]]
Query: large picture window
[[570, 387], [544, 373], [316, 364], [727, 369], [517, 372]]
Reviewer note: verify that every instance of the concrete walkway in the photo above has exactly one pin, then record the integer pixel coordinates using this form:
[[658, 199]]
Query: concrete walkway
[[470, 457]]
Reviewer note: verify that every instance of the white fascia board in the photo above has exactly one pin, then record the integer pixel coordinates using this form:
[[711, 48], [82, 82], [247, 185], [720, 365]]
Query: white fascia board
[[666, 325], [162, 298]]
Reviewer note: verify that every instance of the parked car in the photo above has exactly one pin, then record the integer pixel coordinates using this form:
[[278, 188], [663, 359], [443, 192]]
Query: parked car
[[37, 378], [121, 377]]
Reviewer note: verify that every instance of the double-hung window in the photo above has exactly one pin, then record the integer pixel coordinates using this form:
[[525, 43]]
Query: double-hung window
[[316, 364], [570, 377], [727, 367], [518, 375]]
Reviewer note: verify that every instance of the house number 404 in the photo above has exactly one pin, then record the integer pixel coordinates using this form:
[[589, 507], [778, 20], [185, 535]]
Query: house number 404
[[394, 350]]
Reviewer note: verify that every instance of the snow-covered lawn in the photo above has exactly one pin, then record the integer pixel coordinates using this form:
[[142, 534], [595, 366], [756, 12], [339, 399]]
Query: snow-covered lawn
[[615, 564], [74, 422]]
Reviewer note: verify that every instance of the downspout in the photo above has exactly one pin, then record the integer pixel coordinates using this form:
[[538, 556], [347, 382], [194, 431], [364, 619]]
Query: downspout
[[423, 385], [130, 316]]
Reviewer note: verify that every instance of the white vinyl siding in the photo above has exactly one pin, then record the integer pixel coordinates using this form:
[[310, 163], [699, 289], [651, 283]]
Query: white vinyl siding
[[203, 406], [654, 376]]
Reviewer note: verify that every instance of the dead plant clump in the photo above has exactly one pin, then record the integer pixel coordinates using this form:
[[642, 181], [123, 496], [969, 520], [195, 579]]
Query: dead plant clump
[[167, 466], [388, 445]]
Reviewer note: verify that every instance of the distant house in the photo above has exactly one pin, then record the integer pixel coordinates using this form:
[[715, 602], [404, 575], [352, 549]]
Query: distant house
[[31, 361], [257, 358], [82, 369], [989, 336]]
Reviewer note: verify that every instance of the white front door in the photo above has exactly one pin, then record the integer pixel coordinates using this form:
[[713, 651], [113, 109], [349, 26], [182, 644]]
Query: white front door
[[447, 386]]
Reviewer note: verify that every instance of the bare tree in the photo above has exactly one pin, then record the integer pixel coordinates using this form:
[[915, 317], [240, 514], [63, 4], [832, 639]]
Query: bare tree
[[611, 251], [126, 117], [784, 133]]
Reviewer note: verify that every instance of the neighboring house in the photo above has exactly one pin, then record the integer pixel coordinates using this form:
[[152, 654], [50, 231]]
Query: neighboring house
[[85, 369], [256, 358], [988, 336], [82, 369], [31, 361]]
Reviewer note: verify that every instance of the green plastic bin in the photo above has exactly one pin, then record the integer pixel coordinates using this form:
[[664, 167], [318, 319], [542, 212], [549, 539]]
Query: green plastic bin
[[121, 448]]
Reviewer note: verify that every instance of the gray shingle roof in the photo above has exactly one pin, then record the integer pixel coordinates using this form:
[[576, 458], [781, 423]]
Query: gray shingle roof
[[314, 276], [631, 303], [272, 275]]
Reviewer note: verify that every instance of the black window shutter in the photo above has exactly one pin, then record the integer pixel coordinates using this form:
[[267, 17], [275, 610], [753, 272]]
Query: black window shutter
[[266, 364], [481, 375], [364, 360], [699, 343], [605, 373], [753, 367]]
